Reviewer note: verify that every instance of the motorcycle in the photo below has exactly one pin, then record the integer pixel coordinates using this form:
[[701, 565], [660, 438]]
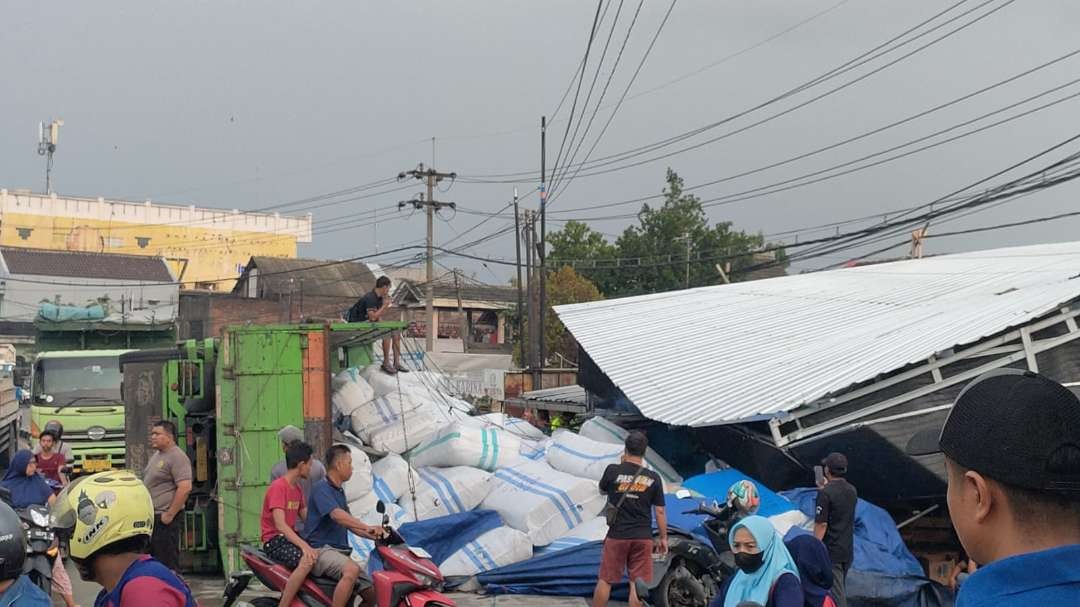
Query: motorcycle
[[42, 547], [691, 572], [409, 578]]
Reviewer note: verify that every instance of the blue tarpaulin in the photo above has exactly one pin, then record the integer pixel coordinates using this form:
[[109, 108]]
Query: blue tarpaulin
[[444, 535], [878, 546], [570, 572]]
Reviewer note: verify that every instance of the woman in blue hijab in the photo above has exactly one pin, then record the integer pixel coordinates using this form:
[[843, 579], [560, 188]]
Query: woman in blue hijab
[[26, 485], [766, 574], [815, 568]]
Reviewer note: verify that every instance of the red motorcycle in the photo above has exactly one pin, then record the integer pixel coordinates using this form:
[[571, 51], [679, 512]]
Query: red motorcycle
[[408, 579]]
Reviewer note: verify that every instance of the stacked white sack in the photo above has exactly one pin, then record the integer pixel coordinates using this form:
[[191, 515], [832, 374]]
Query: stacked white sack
[[581, 456], [350, 392], [362, 547], [600, 429], [359, 485], [499, 547], [443, 491], [544, 503], [589, 531], [390, 477], [396, 422], [463, 445], [514, 425], [534, 450]]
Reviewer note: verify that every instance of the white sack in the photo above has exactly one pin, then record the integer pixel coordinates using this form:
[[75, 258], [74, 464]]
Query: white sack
[[499, 547], [462, 445], [580, 456], [360, 484], [398, 437], [363, 504], [544, 503], [514, 425], [350, 391], [382, 411], [443, 491], [534, 450], [363, 547], [589, 531], [390, 477], [605, 431]]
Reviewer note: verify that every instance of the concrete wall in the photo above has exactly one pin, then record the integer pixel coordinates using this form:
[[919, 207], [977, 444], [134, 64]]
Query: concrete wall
[[204, 314], [216, 243]]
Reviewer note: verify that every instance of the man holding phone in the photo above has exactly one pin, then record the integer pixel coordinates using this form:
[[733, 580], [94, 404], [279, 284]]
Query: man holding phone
[[371, 308], [834, 519]]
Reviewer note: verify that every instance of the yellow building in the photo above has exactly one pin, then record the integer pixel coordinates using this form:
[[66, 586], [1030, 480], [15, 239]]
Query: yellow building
[[207, 248]]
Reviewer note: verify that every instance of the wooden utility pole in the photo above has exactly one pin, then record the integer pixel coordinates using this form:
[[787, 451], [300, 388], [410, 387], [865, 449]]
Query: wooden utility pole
[[534, 305], [542, 249], [520, 285], [431, 177], [463, 321]]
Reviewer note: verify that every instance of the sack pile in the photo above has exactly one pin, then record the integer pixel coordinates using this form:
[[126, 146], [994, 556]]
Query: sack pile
[[441, 460]]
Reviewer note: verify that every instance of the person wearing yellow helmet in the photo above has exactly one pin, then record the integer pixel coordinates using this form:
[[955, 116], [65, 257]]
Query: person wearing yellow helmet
[[109, 517]]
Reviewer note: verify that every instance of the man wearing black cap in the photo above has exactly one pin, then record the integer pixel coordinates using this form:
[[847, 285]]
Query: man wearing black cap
[[1012, 453], [834, 521]]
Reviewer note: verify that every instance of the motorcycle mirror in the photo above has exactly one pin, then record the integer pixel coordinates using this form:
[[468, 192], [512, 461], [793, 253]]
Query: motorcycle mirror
[[682, 494], [380, 507]]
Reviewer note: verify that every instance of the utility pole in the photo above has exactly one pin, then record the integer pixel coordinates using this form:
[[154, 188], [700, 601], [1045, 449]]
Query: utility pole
[[520, 286], [543, 247], [686, 237], [463, 322], [431, 177], [533, 307]]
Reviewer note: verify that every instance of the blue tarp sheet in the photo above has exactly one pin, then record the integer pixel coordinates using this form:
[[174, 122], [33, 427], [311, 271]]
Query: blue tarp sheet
[[714, 485], [878, 546], [444, 535], [55, 313]]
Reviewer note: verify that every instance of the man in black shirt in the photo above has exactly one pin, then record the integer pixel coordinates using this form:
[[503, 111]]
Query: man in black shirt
[[634, 493], [371, 308], [834, 521]]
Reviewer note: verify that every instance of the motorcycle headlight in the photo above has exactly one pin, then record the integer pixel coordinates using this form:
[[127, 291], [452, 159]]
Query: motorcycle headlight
[[40, 518], [96, 433]]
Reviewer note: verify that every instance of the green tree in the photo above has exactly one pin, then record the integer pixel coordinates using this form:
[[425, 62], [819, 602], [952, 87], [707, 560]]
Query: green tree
[[586, 248], [653, 253], [564, 286]]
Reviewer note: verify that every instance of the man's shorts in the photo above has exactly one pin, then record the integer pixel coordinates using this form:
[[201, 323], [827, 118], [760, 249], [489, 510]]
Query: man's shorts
[[621, 555], [332, 562], [282, 551]]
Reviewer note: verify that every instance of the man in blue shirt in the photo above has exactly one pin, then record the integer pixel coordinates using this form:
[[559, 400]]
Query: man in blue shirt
[[326, 525], [1012, 453]]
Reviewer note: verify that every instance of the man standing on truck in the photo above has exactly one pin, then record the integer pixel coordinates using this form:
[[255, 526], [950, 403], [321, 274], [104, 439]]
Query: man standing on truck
[[371, 308], [325, 530], [168, 478]]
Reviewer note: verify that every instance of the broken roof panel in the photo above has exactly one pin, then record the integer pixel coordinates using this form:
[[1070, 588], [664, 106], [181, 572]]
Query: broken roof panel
[[730, 353]]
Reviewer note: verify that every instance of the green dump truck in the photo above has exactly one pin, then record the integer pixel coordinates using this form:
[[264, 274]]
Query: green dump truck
[[75, 379], [229, 397]]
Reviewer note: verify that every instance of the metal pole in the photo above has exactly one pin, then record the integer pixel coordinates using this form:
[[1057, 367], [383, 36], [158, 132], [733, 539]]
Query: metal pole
[[543, 241], [463, 323], [430, 303], [686, 235], [521, 303]]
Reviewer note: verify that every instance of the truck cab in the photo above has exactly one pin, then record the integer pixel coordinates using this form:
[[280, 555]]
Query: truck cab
[[81, 390]]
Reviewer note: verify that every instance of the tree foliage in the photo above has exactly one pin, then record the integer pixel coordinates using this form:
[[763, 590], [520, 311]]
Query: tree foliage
[[651, 255]]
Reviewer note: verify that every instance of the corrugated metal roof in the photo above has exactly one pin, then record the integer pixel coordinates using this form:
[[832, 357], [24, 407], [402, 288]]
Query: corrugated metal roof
[[80, 264], [282, 276], [470, 292], [728, 353], [565, 394]]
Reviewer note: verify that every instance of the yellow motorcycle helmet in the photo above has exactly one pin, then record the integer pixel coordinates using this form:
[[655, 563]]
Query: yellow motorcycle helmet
[[102, 509]]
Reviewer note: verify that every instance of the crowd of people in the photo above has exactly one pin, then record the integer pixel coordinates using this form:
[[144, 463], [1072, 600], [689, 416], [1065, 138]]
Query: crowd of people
[[1011, 445]]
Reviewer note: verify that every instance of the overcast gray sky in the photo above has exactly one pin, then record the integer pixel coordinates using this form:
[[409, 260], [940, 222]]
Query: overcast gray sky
[[249, 104]]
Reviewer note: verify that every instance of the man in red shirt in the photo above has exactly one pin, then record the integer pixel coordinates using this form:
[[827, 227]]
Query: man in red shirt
[[282, 507]]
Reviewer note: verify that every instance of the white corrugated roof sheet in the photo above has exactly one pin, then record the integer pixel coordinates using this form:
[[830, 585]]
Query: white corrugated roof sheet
[[730, 353]]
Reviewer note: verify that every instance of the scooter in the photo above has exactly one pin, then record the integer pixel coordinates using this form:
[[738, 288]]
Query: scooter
[[42, 547], [691, 572], [409, 578]]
